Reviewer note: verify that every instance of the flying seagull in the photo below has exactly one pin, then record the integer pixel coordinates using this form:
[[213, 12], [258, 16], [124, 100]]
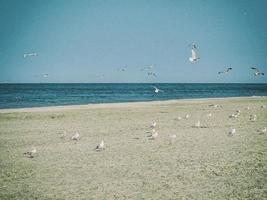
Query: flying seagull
[[100, 146], [257, 71], [194, 57], [45, 75], [122, 69], [150, 67], [157, 90], [226, 71], [152, 74], [25, 55]]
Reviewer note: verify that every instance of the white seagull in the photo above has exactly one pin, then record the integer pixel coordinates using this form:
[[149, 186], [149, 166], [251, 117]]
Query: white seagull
[[209, 115], [154, 135], [31, 153], [45, 75], [153, 125], [122, 69], [194, 57], [25, 55], [100, 146], [76, 136], [150, 67], [232, 131], [157, 90], [152, 74], [263, 130], [253, 118], [257, 71], [226, 71], [187, 116], [197, 124]]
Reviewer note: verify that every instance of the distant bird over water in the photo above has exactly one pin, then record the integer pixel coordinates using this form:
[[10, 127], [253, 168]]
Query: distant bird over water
[[45, 75], [152, 74], [25, 55], [225, 71], [194, 57], [157, 90], [122, 69], [257, 71]]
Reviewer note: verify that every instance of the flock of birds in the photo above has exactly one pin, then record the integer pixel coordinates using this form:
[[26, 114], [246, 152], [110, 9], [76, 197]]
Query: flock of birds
[[154, 133]]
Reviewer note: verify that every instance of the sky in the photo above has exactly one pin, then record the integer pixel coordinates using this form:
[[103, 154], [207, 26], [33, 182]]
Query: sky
[[86, 41]]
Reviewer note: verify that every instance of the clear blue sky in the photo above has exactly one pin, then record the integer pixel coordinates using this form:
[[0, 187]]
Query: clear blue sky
[[78, 40]]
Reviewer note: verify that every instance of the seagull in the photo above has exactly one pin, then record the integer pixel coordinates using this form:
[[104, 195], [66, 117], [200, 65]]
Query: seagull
[[152, 74], [153, 125], [225, 71], [100, 146], [263, 106], [193, 45], [248, 108], [209, 115], [253, 118], [257, 71], [45, 75], [76, 136], [263, 130], [194, 56], [31, 153], [157, 90], [154, 135], [187, 116], [173, 136], [233, 116], [179, 118], [122, 69], [232, 132], [197, 124], [25, 55]]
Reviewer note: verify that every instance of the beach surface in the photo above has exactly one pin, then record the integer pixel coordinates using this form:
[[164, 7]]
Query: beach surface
[[200, 163]]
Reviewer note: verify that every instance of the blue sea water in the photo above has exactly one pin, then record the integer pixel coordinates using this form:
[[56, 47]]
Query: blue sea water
[[37, 95]]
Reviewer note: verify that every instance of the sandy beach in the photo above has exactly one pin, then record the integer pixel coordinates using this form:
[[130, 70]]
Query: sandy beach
[[200, 163]]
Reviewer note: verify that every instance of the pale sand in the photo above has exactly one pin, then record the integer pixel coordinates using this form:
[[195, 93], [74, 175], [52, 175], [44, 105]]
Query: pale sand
[[201, 163]]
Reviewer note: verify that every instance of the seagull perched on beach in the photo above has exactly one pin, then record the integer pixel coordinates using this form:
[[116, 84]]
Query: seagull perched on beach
[[25, 55], [263, 106], [197, 124], [153, 125], [187, 116], [157, 90], [100, 146], [76, 136], [194, 57], [209, 115], [257, 71], [263, 130], [31, 153], [248, 108], [225, 71], [154, 135], [253, 118], [232, 132]]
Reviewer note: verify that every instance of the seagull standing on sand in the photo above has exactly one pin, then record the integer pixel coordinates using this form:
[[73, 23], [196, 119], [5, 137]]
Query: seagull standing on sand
[[209, 115], [226, 71], [232, 132], [157, 90], [263, 130], [25, 55], [257, 71], [154, 135], [197, 124], [187, 116], [76, 136], [253, 118], [31, 153], [100, 146], [153, 125]]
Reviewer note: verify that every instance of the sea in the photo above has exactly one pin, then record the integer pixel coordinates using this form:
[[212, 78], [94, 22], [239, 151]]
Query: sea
[[54, 94]]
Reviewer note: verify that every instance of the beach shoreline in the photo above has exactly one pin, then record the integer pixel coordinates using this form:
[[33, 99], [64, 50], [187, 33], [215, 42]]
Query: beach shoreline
[[123, 104]]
